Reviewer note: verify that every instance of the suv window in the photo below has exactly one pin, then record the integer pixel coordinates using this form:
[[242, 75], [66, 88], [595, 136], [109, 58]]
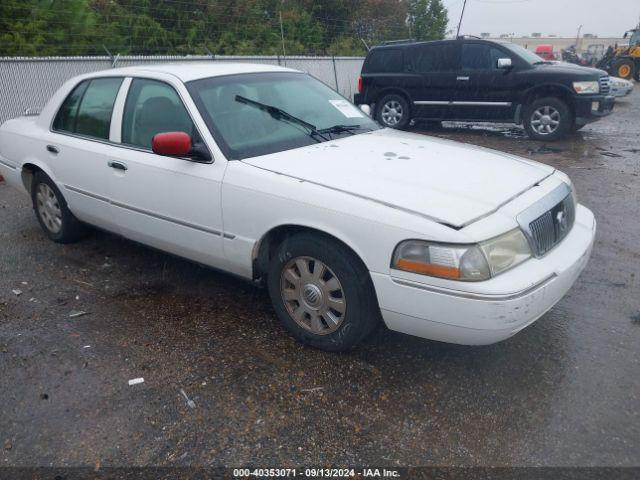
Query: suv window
[[477, 56], [88, 108], [153, 107], [435, 58], [386, 60]]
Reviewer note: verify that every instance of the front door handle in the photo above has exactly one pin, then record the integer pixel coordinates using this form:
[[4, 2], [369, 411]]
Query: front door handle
[[462, 79], [52, 149], [117, 165]]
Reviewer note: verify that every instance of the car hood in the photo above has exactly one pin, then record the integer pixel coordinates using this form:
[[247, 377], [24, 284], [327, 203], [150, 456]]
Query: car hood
[[566, 68], [449, 182]]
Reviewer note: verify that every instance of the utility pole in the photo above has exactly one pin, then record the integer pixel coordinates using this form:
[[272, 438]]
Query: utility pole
[[461, 15], [284, 52]]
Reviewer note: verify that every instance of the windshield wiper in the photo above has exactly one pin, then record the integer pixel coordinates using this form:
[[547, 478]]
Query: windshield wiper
[[280, 114], [341, 129]]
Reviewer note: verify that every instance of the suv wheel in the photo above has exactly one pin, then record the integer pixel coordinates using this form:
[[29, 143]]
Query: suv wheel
[[321, 292], [51, 210], [393, 111], [548, 119]]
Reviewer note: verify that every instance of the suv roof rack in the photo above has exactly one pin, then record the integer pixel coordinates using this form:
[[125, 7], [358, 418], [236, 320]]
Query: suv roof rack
[[395, 42]]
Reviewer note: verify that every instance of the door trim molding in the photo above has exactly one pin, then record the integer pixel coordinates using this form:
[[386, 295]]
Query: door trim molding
[[463, 103], [151, 214]]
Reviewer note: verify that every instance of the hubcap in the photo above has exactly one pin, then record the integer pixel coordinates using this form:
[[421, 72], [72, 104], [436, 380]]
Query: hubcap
[[392, 112], [313, 295], [624, 71], [48, 208], [545, 120]]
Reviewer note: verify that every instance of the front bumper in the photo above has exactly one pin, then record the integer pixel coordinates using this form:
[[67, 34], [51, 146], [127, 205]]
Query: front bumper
[[466, 318], [592, 107]]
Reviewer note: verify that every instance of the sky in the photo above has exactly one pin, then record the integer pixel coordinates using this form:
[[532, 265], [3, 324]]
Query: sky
[[559, 17]]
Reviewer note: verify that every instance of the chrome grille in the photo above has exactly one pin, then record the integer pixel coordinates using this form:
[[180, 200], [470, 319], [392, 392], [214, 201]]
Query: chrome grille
[[605, 85], [552, 226], [549, 220]]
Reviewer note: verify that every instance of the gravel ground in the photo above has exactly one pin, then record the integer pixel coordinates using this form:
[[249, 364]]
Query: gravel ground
[[565, 391]]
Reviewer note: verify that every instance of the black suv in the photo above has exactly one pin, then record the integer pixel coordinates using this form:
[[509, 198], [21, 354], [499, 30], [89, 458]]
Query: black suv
[[479, 80]]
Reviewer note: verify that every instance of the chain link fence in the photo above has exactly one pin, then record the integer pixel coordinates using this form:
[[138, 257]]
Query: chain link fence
[[29, 82]]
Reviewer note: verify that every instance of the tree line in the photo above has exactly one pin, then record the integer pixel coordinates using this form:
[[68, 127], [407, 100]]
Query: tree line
[[215, 27]]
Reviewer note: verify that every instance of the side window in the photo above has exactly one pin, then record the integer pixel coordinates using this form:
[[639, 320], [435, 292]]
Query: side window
[[477, 56], [385, 61], [65, 120], [153, 107], [435, 58], [94, 113]]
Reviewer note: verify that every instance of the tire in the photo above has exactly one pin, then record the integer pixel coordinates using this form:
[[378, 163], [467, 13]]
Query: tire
[[335, 308], [540, 115], [393, 111], [636, 76], [51, 210], [624, 68]]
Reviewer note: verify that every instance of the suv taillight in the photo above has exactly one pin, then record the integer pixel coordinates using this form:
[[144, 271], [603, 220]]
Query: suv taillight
[[359, 84]]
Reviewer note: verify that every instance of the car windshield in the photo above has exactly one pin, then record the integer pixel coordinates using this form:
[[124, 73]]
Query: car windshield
[[528, 56], [261, 113]]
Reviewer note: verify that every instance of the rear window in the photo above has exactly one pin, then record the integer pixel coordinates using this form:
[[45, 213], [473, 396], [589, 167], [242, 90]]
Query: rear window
[[386, 60], [87, 110], [434, 58]]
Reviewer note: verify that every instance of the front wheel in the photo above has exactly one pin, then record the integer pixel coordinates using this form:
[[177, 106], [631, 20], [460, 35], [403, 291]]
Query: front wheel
[[321, 292], [393, 111], [547, 119], [625, 68]]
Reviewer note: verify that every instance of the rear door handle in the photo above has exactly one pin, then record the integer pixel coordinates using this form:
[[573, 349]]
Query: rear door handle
[[52, 149], [117, 165], [462, 79]]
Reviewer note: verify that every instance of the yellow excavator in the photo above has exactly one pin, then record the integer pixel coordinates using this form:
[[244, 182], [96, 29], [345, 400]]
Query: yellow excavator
[[624, 61]]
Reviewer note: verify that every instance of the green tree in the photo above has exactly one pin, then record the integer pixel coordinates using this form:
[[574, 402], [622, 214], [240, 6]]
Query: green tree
[[427, 19], [46, 27]]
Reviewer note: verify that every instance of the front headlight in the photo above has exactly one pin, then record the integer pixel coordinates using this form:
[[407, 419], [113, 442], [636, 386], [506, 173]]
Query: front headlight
[[586, 87], [462, 262]]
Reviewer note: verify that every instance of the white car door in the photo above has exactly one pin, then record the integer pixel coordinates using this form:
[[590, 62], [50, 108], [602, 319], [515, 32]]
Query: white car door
[[169, 203], [78, 149]]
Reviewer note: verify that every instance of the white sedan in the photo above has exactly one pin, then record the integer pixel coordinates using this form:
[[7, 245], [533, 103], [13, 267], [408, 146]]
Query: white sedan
[[267, 173], [620, 87]]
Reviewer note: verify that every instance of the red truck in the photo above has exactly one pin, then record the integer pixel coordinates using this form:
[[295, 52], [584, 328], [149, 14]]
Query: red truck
[[546, 52]]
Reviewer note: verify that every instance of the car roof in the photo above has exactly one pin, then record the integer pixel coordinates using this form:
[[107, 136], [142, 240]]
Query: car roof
[[187, 71], [437, 42]]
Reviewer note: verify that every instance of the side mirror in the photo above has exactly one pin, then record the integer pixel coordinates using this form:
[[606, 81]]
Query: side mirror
[[178, 144], [171, 144], [366, 109], [504, 63]]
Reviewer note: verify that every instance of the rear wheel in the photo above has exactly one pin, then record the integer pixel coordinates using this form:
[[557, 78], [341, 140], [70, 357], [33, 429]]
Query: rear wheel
[[51, 210], [321, 292], [547, 119], [625, 68], [393, 111]]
